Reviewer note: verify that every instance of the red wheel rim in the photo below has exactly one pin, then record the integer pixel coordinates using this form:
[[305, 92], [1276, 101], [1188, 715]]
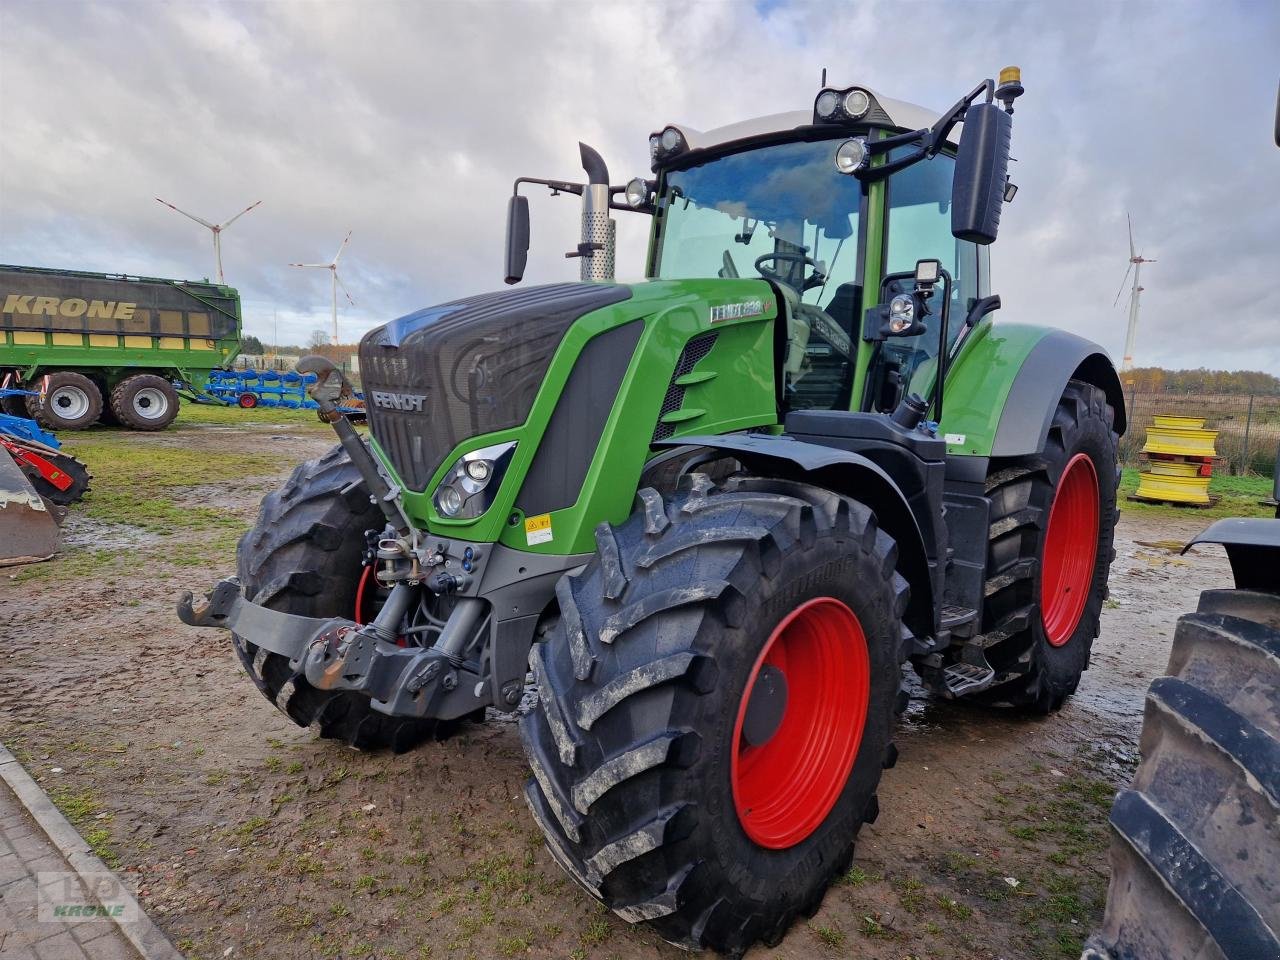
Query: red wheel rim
[[365, 577], [1070, 549], [784, 787], [247, 400]]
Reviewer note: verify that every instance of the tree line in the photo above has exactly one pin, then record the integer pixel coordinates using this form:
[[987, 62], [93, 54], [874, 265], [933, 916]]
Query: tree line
[[1157, 379]]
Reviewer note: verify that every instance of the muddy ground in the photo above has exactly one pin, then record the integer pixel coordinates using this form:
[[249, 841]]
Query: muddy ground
[[250, 838]]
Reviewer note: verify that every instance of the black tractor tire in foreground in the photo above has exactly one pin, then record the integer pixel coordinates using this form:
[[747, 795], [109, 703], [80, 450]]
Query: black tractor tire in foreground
[[71, 401], [646, 781], [1196, 840], [1049, 552], [14, 406], [144, 402], [303, 557]]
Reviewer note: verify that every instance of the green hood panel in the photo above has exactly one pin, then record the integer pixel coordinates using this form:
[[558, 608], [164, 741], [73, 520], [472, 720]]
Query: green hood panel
[[723, 382]]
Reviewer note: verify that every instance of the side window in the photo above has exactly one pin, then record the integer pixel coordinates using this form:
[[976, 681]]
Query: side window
[[920, 229]]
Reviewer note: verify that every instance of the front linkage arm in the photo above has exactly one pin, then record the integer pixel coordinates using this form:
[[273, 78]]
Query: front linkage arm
[[338, 654]]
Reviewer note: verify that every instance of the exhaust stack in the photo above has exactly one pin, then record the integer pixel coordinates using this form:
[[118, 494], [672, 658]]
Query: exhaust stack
[[599, 230]]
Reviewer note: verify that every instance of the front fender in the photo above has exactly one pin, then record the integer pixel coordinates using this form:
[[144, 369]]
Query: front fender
[[849, 474], [1003, 388]]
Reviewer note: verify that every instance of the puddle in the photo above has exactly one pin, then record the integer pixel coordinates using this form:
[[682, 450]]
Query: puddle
[[86, 534]]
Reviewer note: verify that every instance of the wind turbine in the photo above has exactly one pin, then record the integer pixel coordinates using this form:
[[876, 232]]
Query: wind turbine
[[217, 229], [332, 267], [1135, 266]]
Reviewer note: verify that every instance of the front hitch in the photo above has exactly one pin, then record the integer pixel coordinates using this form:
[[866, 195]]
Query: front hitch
[[338, 654]]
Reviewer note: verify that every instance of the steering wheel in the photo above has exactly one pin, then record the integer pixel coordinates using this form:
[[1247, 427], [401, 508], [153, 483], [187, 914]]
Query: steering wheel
[[776, 277]]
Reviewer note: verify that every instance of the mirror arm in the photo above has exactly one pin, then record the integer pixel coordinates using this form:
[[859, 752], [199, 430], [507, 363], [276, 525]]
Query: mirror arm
[[555, 186], [929, 140]]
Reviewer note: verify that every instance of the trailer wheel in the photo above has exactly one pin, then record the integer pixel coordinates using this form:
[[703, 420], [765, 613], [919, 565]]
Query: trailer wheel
[[145, 402], [716, 704], [1049, 552], [247, 401], [303, 557], [71, 401], [1196, 840]]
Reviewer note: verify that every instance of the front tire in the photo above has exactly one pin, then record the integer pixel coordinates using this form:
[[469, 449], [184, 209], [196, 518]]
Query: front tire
[[716, 704], [304, 557], [1196, 840], [1049, 553], [145, 402], [71, 401]]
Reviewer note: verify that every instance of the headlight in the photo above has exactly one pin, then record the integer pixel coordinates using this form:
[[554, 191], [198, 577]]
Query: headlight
[[827, 104], [671, 139], [851, 155], [902, 312], [471, 484], [637, 192], [856, 104]]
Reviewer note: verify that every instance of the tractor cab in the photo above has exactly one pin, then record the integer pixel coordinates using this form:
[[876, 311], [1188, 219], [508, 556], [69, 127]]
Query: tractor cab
[[834, 209]]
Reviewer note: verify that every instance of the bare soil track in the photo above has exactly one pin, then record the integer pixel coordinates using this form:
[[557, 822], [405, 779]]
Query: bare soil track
[[247, 833]]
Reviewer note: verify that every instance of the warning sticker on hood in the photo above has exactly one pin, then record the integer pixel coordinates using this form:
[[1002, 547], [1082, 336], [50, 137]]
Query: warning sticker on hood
[[538, 529]]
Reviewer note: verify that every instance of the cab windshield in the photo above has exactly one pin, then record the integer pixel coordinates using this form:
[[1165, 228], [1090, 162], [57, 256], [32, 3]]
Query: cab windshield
[[786, 214]]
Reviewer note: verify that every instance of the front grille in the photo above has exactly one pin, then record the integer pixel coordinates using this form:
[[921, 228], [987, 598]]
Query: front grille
[[693, 351], [476, 363]]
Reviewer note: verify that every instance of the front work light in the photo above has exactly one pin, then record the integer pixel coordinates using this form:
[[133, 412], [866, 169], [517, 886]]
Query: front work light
[[827, 104], [851, 155], [902, 312], [856, 104], [637, 193], [471, 484]]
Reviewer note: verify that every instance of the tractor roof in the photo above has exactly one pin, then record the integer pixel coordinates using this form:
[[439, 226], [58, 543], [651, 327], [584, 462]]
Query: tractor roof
[[890, 112]]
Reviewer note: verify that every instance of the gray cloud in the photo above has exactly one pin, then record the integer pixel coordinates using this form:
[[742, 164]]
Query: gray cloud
[[406, 123]]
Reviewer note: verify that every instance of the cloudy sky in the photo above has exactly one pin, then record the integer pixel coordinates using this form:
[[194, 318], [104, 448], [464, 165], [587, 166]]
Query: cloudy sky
[[406, 123]]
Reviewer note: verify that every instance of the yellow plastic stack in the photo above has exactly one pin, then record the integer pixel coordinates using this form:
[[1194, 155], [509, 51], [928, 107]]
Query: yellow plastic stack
[[1180, 454]]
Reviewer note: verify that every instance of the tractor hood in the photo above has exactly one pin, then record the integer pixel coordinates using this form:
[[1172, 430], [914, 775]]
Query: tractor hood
[[438, 376]]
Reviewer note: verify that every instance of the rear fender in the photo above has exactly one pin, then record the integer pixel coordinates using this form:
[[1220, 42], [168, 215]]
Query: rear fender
[[851, 475], [1003, 388]]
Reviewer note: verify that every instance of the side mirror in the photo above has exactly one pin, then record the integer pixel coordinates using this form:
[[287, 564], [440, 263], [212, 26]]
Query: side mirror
[[982, 166], [517, 238]]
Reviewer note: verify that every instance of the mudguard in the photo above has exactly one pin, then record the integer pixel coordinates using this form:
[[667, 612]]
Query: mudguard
[[1005, 384], [1253, 549], [850, 474]]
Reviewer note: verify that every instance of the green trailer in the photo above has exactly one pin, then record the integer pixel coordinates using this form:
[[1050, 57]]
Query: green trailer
[[110, 347]]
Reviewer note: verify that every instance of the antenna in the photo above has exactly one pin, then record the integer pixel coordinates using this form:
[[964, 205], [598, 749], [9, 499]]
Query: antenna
[[217, 229], [1136, 261], [332, 267]]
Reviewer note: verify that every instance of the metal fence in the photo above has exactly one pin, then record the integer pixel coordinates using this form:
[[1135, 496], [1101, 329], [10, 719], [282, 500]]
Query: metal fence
[[1248, 426]]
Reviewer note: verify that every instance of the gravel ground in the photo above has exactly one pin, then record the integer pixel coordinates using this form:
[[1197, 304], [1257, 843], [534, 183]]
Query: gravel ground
[[251, 838]]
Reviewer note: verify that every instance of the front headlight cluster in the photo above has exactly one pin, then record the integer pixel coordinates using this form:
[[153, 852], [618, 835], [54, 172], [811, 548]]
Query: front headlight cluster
[[469, 487], [838, 106], [666, 143]]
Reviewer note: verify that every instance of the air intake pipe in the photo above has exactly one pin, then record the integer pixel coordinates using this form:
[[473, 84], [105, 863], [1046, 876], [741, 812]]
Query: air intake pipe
[[599, 230]]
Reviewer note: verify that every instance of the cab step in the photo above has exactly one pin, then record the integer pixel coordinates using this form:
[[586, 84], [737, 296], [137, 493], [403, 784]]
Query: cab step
[[965, 678]]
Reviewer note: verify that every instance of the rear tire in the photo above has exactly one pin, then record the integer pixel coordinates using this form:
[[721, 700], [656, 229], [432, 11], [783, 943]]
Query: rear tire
[[144, 402], [643, 771], [1040, 619], [1196, 840], [71, 401], [303, 557]]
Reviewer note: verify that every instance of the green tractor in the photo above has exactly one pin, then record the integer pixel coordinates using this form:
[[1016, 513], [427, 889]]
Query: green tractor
[[713, 513]]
